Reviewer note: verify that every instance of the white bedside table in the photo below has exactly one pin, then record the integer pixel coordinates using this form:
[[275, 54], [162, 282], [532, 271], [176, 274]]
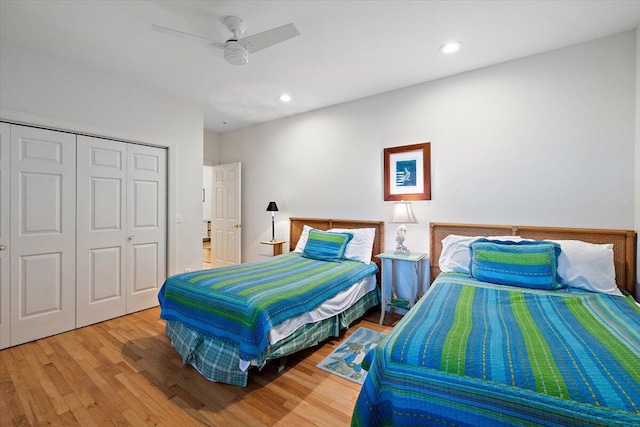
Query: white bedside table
[[389, 259]]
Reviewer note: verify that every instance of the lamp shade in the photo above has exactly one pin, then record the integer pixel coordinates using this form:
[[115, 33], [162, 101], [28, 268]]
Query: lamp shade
[[272, 207], [402, 213]]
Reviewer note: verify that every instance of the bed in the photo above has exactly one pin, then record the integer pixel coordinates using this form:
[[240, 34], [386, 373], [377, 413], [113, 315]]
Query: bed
[[476, 352], [224, 321]]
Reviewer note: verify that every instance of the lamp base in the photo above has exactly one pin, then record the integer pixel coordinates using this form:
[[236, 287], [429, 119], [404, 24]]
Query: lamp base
[[402, 250]]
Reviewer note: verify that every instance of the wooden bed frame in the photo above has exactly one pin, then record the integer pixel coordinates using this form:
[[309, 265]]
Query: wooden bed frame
[[295, 230], [623, 243]]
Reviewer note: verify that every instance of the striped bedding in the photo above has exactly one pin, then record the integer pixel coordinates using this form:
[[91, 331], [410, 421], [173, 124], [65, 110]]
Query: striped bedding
[[472, 353], [240, 304], [217, 360]]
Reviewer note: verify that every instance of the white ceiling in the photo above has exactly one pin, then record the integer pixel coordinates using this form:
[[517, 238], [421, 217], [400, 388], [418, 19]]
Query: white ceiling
[[347, 49]]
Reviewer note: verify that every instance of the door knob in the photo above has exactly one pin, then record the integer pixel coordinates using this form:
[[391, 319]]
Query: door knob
[[131, 237], [2, 247], [236, 226]]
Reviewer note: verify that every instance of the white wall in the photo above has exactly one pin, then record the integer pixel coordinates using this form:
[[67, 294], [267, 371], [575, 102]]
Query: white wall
[[543, 140], [44, 91], [211, 148]]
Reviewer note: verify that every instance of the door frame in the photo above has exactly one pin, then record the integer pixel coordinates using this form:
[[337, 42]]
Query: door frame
[[5, 236]]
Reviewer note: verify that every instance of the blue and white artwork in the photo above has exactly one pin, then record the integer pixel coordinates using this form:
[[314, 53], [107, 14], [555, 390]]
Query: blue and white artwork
[[406, 173]]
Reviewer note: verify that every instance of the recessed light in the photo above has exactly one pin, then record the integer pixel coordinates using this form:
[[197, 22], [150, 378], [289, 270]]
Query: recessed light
[[285, 97], [451, 47]]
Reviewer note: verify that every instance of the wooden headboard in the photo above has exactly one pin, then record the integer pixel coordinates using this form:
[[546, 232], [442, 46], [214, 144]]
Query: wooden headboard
[[295, 230], [623, 243]]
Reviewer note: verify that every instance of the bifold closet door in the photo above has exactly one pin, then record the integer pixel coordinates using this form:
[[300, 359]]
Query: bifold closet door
[[5, 230], [101, 230], [43, 224], [121, 259], [146, 225]]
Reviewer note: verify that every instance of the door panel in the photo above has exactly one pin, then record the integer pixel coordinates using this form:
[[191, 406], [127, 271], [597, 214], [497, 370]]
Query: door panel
[[5, 260], [226, 215], [101, 244], [145, 261], [39, 279], [106, 274], [107, 200], [43, 217], [146, 230], [41, 193], [145, 204]]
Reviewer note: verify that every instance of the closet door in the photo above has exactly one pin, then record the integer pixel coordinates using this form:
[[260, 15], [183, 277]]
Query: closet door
[[43, 224], [5, 230], [146, 225], [101, 230]]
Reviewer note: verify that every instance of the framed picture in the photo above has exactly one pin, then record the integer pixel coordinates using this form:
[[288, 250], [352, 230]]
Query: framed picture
[[407, 172]]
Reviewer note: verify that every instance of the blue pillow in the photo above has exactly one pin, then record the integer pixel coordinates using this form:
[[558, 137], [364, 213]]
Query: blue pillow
[[527, 264], [326, 246]]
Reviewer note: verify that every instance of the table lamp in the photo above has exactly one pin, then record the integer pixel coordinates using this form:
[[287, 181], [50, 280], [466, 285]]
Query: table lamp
[[273, 208], [402, 214]]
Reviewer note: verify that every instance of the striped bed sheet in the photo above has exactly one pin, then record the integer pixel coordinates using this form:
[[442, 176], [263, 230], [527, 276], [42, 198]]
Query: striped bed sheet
[[472, 353], [328, 308]]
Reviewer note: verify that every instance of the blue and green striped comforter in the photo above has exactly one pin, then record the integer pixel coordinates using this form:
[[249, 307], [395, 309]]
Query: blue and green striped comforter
[[471, 353], [240, 304]]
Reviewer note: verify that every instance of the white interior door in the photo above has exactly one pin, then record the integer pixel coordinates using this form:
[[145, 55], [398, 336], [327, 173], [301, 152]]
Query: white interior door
[[5, 230], [225, 212], [206, 193], [146, 225], [101, 230], [43, 224]]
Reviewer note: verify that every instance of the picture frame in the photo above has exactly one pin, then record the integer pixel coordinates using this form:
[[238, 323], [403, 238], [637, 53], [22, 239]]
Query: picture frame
[[407, 172]]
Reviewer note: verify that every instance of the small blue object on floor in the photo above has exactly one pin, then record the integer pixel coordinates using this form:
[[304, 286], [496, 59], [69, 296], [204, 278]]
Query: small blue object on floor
[[345, 360]]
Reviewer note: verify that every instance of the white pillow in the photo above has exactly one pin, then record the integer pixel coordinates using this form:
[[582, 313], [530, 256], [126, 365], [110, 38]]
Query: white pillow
[[455, 255], [360, 247], [302, 241], [587, 266]]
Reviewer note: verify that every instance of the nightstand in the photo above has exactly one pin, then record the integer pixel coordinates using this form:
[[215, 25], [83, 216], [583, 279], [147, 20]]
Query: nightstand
[[277, 246], [390, 262]]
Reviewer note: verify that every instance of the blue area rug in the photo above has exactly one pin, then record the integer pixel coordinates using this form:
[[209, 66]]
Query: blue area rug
[[345, 360]]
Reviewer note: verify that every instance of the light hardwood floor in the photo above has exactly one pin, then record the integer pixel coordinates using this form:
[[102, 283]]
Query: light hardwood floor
[[125, 372]]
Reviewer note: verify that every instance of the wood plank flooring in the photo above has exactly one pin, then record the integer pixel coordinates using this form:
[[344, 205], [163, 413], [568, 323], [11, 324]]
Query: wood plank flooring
[[125, 372]]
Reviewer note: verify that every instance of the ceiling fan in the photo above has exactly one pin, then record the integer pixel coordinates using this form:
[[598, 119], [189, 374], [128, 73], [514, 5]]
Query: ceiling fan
[[236, 49]]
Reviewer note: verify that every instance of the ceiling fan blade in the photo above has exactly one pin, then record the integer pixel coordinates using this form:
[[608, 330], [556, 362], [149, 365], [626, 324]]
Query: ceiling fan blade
[[268, 38], [190, 36]]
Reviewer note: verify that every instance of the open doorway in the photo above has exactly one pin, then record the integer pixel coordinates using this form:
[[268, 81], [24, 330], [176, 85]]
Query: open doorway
[[221, 215], [226, 229]]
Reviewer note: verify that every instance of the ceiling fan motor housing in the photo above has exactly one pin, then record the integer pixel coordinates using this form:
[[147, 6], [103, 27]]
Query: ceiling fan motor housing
[[236, 25], [235, 53]]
